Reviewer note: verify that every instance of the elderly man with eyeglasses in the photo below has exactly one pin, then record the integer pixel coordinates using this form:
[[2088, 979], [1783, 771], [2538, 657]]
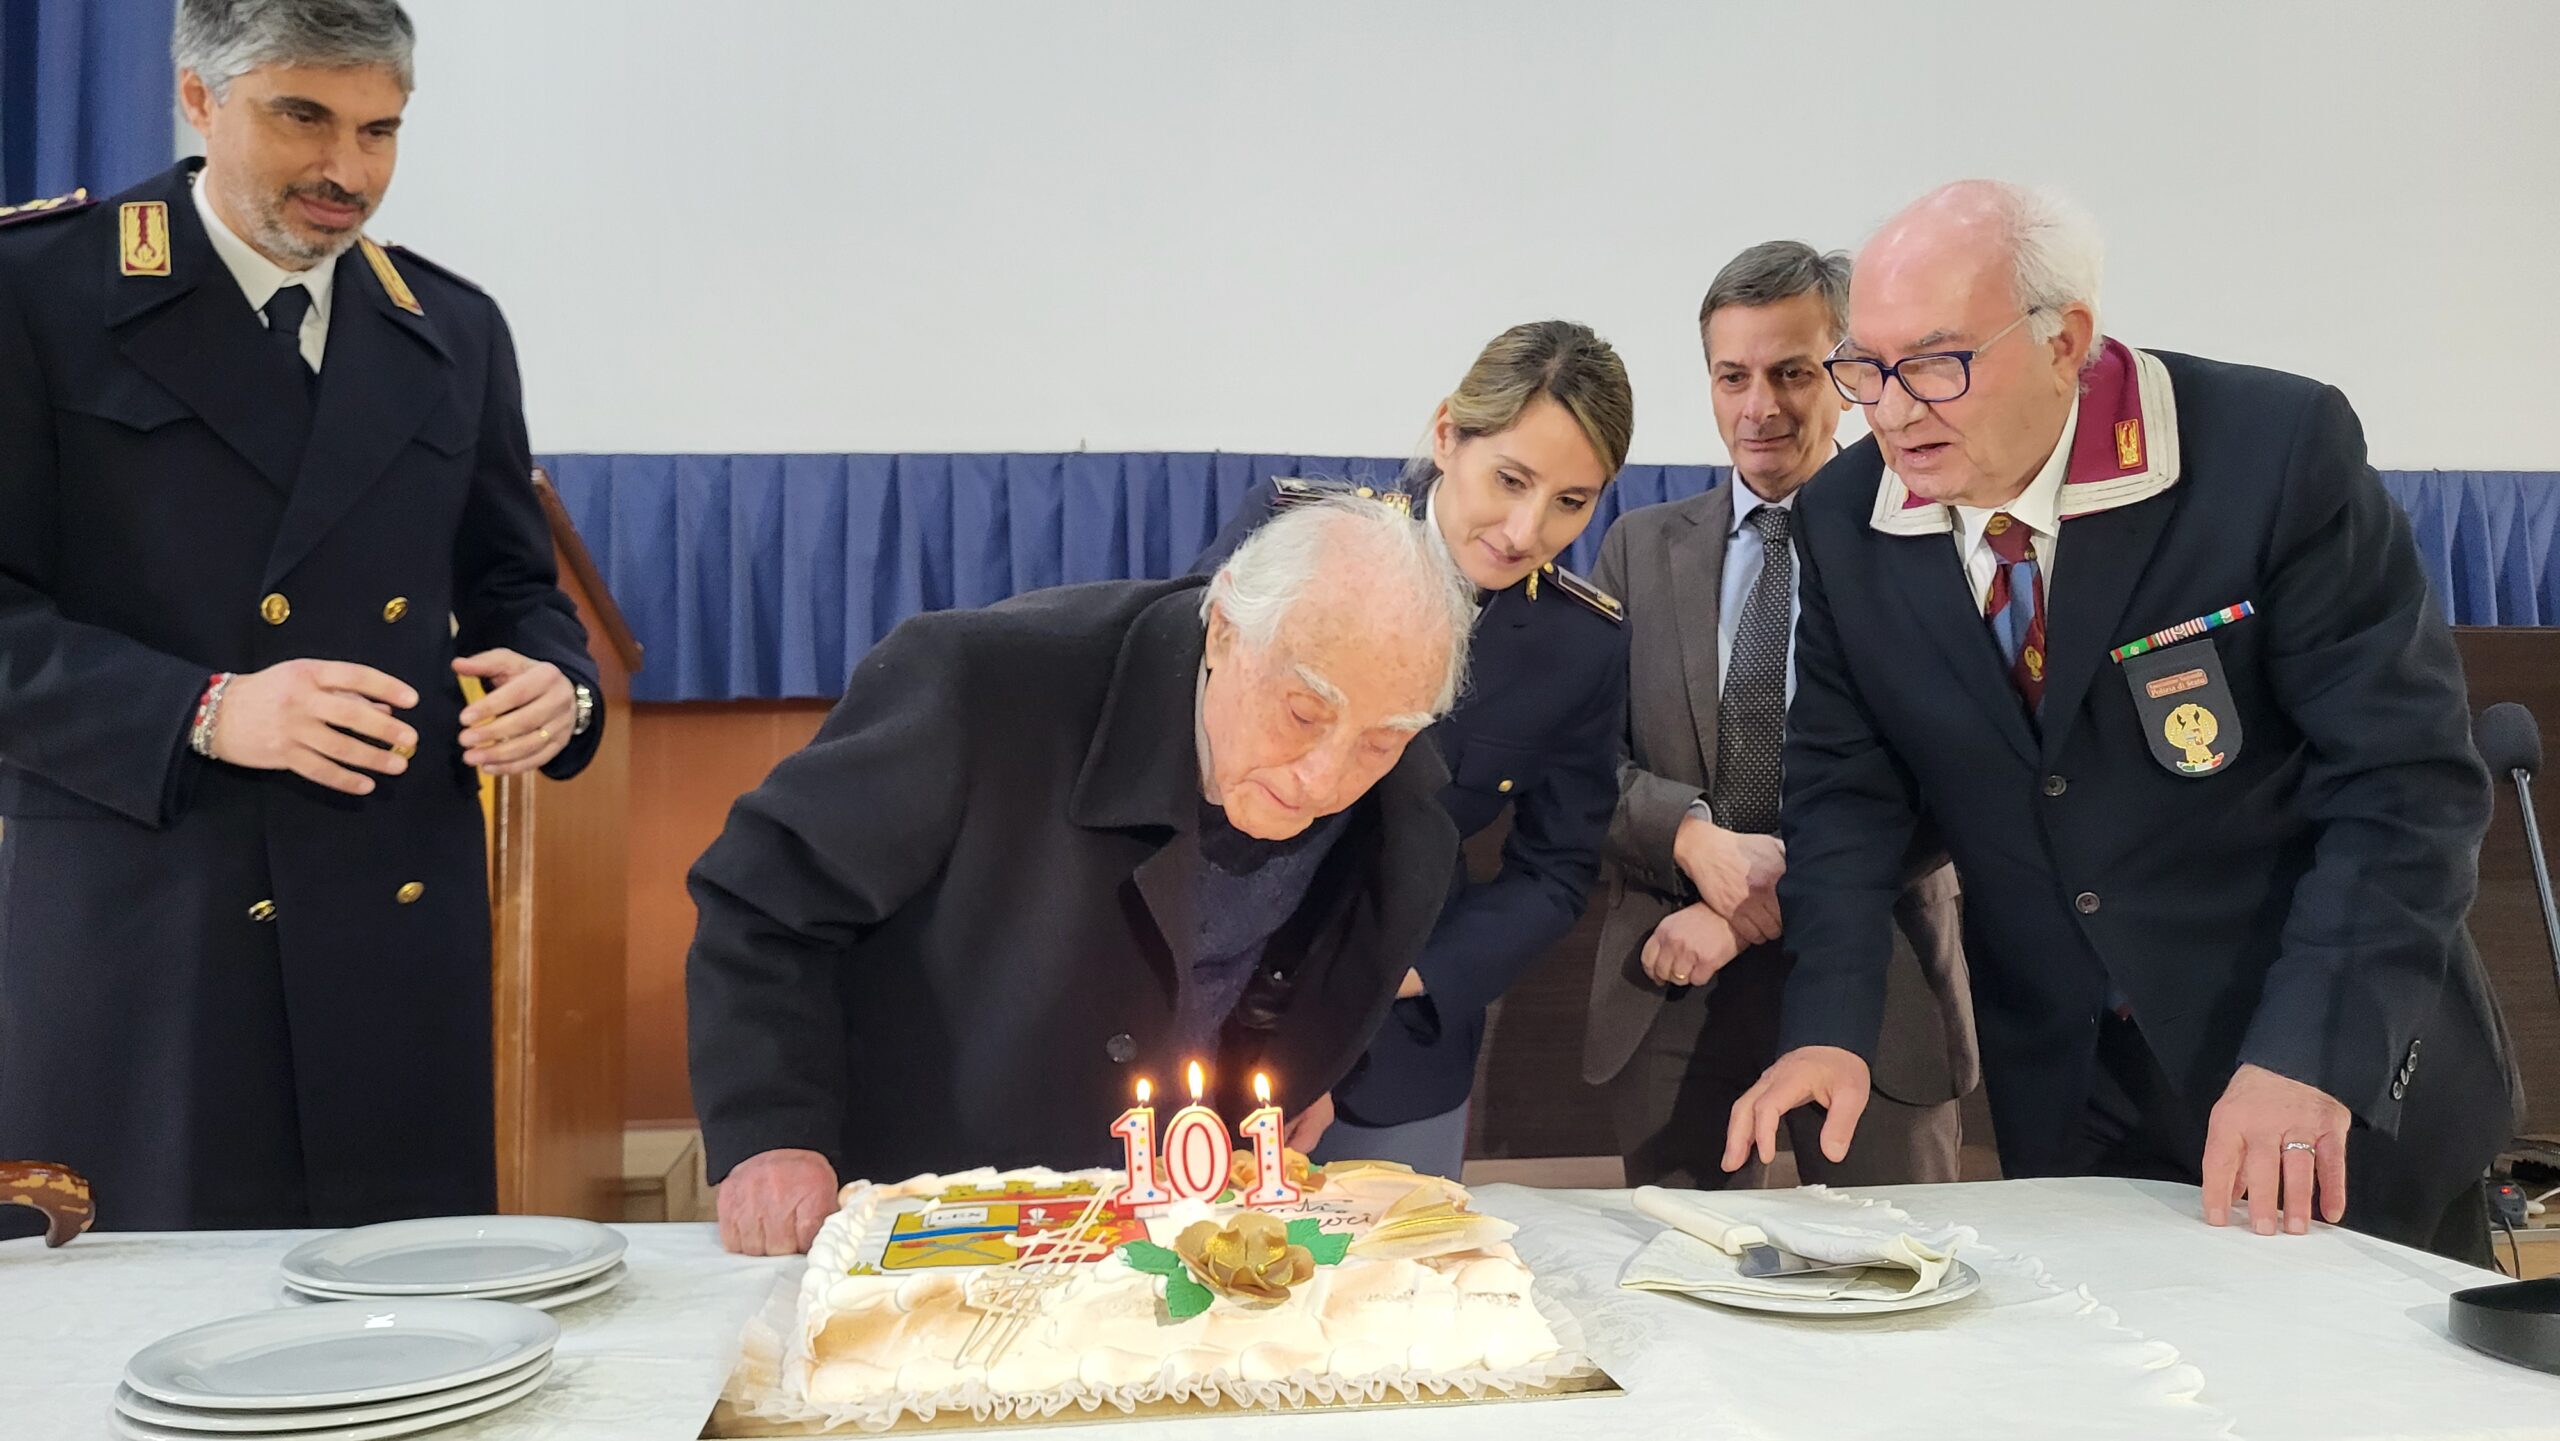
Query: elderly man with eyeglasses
[[2209, 784]]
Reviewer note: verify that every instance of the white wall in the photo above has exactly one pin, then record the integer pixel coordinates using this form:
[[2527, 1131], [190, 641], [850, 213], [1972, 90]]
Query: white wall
[[819, 225]]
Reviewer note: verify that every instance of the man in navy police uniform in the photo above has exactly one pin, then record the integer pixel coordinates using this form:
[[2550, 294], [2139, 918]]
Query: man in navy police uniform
[[265, 501]]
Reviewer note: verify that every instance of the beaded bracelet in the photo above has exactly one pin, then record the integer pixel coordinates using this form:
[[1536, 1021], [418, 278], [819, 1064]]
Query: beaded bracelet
[[208, 714]]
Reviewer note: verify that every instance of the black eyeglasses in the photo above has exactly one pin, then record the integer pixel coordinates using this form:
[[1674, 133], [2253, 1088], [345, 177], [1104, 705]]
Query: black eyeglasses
[[1931, 379]]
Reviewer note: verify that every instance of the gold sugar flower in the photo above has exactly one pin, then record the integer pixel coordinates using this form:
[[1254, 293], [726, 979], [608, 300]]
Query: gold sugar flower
[[1245, 1171], [1247, 1259]]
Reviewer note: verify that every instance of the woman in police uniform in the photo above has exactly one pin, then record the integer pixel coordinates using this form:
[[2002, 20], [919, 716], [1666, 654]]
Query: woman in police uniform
[[1518, 457]]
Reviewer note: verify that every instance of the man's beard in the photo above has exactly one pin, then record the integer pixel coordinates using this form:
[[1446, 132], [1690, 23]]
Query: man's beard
[[277, 237]]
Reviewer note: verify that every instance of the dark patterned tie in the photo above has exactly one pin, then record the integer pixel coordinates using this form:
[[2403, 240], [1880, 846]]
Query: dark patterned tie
[[1751, 715], [2016, 605]]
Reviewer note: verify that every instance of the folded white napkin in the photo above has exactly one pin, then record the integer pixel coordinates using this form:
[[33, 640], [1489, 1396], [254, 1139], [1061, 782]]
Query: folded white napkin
[[1702, 1252]]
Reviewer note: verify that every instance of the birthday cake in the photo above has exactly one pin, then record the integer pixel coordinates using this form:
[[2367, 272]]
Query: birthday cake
[[1018, 1294]]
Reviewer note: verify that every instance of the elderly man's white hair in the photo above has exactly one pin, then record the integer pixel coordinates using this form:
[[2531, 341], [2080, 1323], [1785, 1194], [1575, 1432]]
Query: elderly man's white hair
[[2056, 254], [1350, 540]]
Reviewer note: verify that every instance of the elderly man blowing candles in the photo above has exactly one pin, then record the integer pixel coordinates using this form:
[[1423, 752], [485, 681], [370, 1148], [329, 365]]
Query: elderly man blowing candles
[[1090, 834], [2144, 638]]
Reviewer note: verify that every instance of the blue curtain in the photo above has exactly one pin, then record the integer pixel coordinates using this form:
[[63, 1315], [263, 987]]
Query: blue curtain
[[86, 95], [2490, 540], [768, 576]]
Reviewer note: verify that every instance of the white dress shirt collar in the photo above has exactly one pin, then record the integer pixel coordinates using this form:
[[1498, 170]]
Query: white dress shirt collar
[[1746, 500], [2038, 507], [260, 278]]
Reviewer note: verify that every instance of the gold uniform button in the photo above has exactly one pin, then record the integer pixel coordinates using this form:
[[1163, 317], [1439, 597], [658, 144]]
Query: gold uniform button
[[398, 607], [1505, 787], [263, 911], [410, 892], [275, 609]]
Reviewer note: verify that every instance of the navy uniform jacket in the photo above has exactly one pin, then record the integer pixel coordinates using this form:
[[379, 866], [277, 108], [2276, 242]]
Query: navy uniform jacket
[[1537, 731], [2293, 897], [232, 997]]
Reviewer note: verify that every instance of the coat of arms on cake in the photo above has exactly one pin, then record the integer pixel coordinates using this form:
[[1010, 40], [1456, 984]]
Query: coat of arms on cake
[[1020, 1294]]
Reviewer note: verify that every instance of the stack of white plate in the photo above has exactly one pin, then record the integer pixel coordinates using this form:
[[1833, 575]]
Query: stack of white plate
[[538, 1261], [346, 1371]]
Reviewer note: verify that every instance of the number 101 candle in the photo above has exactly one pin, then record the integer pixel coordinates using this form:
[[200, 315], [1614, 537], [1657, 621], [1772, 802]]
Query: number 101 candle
[[1195, 1158]]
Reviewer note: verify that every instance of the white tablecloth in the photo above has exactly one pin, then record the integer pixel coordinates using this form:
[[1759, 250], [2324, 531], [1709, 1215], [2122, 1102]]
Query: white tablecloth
[[2112, 1292]]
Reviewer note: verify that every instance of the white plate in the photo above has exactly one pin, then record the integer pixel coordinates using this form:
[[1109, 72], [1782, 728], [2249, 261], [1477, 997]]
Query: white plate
[[548, 1299], [571, 1295], [139, 1407], [510, 1292], [135, 1430], [342, 1353], [446, 1254], [1962, 1281]]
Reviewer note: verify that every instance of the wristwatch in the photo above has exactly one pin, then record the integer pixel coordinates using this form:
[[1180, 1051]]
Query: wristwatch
[[586, 710]]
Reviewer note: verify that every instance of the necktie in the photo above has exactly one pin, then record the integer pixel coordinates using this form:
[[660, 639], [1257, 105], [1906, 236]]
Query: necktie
[[1751, 715], [2016, 606], [285, 311]]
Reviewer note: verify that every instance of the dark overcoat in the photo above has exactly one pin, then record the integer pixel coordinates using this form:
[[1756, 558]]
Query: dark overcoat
[[234, 997]]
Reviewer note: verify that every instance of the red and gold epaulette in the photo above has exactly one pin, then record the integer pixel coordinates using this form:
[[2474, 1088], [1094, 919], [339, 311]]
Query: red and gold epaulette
[[422, 262], [1291, 490]]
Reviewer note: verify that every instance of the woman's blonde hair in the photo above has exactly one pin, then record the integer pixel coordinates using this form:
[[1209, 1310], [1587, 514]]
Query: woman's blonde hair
[[1565, 362]]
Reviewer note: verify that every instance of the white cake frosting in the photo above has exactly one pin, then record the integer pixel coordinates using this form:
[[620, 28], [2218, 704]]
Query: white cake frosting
[[885, 1306]]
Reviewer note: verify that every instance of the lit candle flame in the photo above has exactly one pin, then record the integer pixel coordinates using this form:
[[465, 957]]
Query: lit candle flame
[[1262, 1088], [1197, 1083], [1145, 1090]]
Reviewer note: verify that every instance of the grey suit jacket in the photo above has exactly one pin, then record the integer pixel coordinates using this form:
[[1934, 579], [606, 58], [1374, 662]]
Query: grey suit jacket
[[1667, 563]]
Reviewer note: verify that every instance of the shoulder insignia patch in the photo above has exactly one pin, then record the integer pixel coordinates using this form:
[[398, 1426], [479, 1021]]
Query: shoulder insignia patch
[[1582, 590], [392, 284], [71, 204], [142, 235]]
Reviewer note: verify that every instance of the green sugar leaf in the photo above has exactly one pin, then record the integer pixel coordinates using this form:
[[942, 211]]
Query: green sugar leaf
[[1328, 1247], [1185, 1298], [1151, 1258]]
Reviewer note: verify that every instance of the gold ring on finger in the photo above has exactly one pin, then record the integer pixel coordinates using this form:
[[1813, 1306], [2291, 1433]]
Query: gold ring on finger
[[404, 752], [544, 732]]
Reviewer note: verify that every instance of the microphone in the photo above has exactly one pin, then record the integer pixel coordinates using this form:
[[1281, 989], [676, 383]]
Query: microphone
[[2509, 740], [2515, 1321], [2511, 743]]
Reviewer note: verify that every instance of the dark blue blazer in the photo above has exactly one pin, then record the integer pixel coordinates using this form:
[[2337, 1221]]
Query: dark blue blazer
[[2299, 905], [164, 469], [1537, 732]]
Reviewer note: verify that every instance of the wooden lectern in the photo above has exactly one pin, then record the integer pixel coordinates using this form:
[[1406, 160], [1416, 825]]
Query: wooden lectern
[[558, 871]]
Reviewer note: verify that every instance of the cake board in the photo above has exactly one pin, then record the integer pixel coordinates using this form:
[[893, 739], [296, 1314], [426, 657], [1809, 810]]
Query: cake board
[[726, 1425]]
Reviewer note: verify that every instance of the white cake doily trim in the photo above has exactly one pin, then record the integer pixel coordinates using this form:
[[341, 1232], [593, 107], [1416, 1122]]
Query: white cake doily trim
[[757, 1390]]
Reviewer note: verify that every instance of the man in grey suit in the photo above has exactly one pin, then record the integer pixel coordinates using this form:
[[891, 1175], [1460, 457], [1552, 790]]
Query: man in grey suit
[[1685, 994]]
